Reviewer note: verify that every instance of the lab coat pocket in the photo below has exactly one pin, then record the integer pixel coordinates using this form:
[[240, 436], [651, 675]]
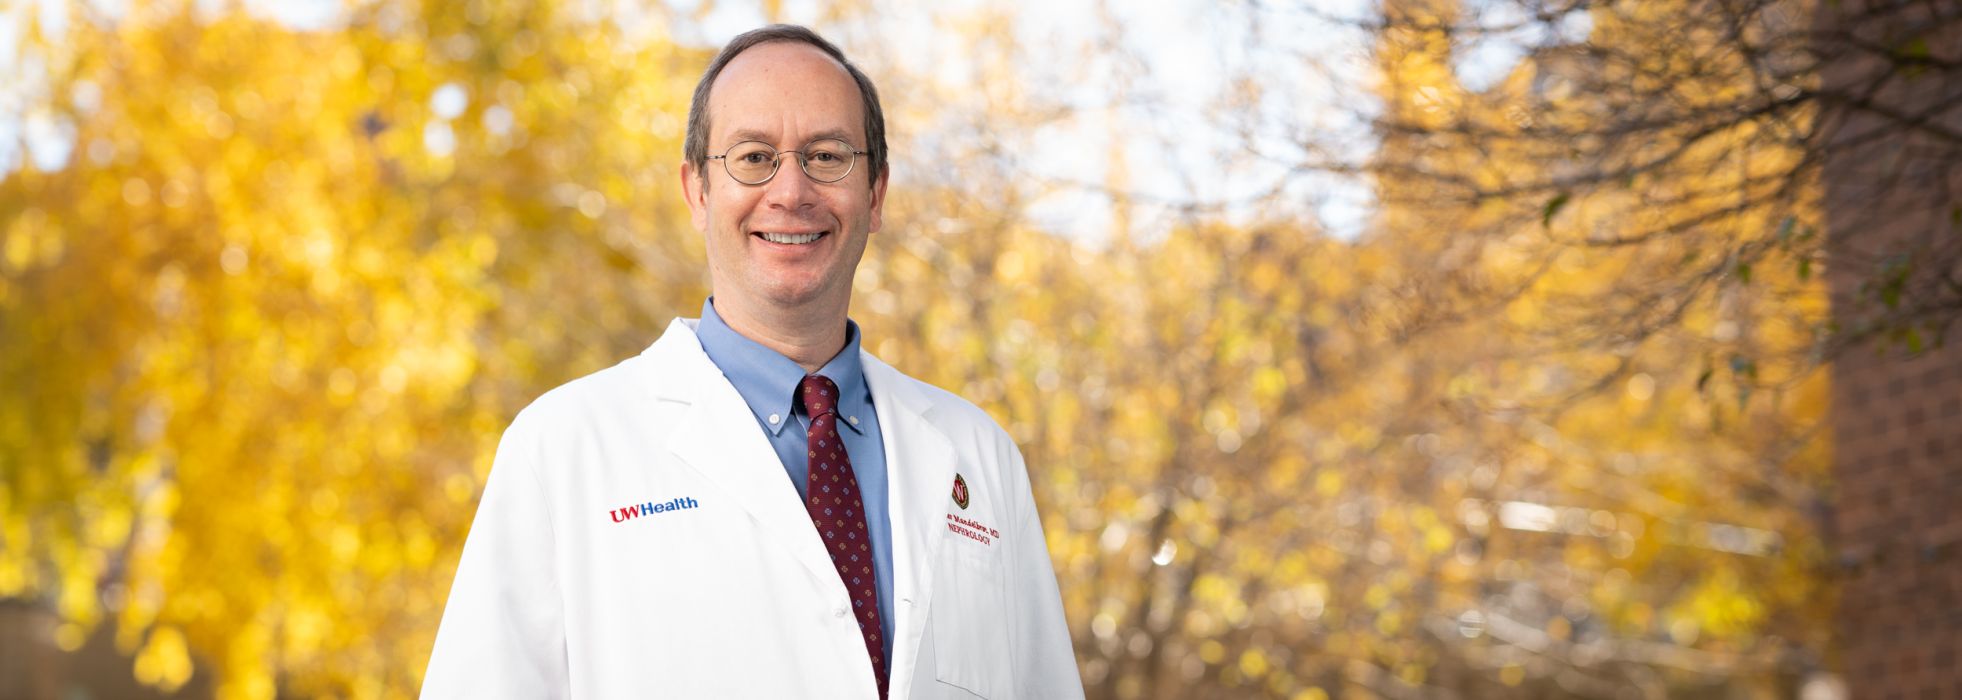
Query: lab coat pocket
[[969, 639]]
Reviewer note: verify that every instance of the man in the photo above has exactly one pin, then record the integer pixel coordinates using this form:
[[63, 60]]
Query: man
[[638, 536]]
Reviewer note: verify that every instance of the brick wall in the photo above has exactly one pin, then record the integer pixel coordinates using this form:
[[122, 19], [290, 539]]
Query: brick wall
[[1896, 415]]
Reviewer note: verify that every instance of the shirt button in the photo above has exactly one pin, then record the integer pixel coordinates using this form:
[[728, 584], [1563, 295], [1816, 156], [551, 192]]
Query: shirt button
[[853, 419], [774, 419], [838, 613]]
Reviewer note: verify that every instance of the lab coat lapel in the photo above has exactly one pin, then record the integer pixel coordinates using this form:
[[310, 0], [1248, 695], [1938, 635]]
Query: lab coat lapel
[[920, 465], [718, 437]]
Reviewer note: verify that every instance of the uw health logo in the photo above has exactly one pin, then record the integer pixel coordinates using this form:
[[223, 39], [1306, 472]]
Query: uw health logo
[[960, 492], [621, 515]]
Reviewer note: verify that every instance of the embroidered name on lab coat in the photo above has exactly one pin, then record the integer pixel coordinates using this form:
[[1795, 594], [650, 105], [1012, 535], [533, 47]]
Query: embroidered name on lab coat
[[972, 530], [621, 515]]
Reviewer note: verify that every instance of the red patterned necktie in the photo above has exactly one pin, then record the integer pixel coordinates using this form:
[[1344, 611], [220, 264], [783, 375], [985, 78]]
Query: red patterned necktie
[[832, 498]]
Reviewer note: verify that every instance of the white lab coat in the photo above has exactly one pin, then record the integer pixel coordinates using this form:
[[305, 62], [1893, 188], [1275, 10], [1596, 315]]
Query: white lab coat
[[724, 590]]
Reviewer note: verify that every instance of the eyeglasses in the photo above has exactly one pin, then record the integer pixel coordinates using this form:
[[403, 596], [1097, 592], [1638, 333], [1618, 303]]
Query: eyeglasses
[[755, 162]]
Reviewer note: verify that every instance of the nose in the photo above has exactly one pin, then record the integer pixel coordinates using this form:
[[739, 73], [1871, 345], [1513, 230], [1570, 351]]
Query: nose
[[791, 188]]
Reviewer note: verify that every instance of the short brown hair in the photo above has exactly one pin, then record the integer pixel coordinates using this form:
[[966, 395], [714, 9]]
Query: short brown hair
[[695, 148]]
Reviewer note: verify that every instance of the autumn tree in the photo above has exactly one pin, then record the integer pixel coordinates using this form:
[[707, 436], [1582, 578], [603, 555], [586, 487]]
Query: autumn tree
[[1691, 136], [1539, 459], [264, 322]]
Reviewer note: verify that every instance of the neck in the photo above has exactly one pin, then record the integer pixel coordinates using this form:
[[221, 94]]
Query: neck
[[810, 337]]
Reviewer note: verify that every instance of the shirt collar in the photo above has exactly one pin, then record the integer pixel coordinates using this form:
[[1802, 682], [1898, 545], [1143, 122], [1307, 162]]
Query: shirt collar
[[767, 380]]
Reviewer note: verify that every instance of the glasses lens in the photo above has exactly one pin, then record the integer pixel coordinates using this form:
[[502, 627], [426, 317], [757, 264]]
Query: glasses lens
[[828, 160], [751, 161]]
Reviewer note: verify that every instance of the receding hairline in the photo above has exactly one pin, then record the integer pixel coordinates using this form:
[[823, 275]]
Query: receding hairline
[[844, 72]]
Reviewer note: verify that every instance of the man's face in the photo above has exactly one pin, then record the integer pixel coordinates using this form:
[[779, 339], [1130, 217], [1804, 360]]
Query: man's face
[[785, 95]]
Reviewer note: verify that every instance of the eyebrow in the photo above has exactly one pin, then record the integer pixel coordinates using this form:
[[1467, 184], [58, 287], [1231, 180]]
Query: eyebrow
[[742, 135]]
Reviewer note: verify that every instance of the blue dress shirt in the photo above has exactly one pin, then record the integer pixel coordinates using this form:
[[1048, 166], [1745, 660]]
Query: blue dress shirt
[[768, 383]]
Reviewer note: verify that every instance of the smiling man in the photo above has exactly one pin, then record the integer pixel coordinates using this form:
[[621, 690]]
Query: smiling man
[[754, 507]]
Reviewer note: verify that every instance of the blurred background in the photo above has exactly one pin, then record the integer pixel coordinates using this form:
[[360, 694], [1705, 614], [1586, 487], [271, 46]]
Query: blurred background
[[1395, 349]]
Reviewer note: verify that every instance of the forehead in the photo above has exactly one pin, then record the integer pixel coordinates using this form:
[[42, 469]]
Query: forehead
[[785, 90]]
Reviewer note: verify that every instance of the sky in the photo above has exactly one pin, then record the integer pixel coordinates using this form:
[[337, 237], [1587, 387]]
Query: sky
[[1184, 153]]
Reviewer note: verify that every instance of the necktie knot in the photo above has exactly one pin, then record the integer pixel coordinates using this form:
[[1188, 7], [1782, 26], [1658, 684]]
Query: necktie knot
[[818, 394]]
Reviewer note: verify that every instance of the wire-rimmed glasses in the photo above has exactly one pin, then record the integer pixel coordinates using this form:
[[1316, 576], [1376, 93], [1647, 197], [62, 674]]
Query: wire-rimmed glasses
[[755, 162]]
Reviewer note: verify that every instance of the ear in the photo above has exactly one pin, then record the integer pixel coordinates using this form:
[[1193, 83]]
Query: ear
[[695, 190], [879, 199]]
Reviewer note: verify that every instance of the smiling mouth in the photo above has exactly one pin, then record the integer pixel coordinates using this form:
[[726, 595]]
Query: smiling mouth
[[790, 238]]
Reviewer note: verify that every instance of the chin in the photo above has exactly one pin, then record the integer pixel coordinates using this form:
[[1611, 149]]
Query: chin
[[792, 296]]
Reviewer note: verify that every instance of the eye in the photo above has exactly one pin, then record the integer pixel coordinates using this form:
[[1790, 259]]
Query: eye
[[755, 158], [828, 152]]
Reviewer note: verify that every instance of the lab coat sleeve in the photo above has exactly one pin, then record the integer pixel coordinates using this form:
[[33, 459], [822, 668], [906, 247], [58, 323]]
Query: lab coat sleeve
[[1043, 659], [503, 630]]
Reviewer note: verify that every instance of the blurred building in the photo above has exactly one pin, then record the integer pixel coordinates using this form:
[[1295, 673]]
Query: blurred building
[[33, 667], [1893, 118]]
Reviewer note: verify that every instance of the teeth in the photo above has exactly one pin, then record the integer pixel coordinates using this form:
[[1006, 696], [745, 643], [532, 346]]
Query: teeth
[[791, 238]]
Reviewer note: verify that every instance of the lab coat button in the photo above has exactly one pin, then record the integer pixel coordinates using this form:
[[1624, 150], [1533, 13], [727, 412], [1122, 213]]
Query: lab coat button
[[839, 613]]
